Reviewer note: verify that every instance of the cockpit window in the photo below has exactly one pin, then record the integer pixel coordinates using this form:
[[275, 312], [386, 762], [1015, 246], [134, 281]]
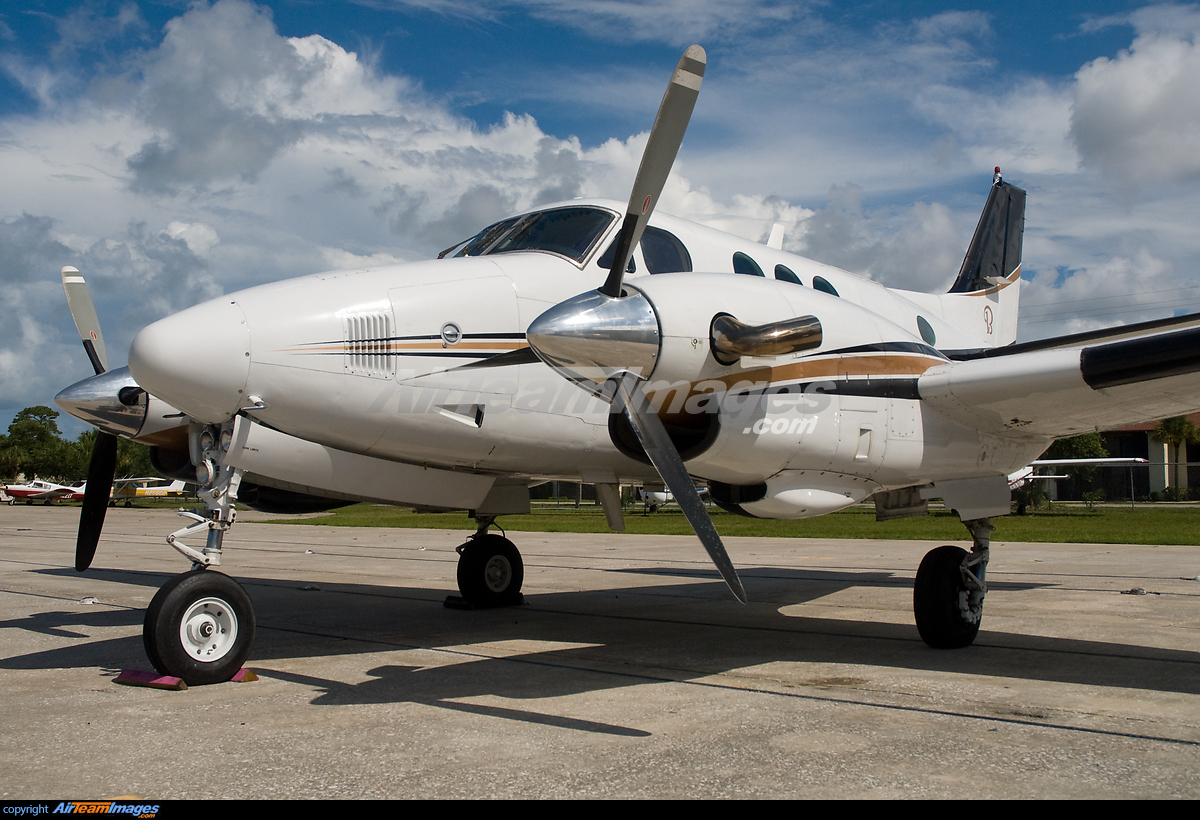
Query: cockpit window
[[606, 259], [483, 240], [663, 252], [567, 231]]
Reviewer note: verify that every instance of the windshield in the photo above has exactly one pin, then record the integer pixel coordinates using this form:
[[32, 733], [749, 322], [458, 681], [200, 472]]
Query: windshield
[[571, 232]]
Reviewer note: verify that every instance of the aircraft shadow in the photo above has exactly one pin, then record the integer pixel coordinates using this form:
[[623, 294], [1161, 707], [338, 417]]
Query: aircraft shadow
[[615, 637]]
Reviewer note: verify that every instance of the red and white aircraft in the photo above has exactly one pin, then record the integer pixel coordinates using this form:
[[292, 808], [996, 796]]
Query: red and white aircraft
[[791, 388], [45, 491]]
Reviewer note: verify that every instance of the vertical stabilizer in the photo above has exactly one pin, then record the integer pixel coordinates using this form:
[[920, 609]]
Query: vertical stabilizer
[[994, 255]]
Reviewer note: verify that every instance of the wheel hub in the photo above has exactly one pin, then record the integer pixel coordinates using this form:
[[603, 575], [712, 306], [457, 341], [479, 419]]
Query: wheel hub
[[497, 573], [208, 630]]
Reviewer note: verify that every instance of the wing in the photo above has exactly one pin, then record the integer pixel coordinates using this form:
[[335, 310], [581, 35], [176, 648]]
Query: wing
[[1055, 388]]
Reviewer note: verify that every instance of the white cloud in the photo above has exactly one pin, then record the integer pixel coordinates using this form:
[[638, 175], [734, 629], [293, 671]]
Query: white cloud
[[1136, 117]]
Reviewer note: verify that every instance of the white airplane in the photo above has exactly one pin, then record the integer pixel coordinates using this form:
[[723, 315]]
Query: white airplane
[[791, 388], [38, 490], [655, 498]]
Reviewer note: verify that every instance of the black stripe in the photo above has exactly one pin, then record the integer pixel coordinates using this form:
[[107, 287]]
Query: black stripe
[[880, 388], [1139, 360], [888, 347]]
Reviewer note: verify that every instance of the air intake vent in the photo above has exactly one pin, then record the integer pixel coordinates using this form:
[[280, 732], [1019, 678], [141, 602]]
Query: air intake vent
[[369, 345]]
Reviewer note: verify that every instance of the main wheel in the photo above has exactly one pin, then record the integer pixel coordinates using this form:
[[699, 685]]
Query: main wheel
[[199, 627], [490, 570], [936, 600]]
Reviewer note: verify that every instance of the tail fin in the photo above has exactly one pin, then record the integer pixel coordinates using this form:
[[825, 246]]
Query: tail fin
[[994, 254], [983, 300]]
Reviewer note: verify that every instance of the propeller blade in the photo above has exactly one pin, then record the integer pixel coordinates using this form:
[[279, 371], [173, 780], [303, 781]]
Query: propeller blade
[[674, 112], [101, 471], [83, 311], [665, 458]]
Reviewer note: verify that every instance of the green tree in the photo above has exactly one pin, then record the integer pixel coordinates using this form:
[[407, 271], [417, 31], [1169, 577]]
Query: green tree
[[1176, 432], [133, 459], [1087, 445], [34, 445]]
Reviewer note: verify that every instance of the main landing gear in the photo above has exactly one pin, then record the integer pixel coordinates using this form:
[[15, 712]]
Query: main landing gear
[[948, 594], [490, 570]]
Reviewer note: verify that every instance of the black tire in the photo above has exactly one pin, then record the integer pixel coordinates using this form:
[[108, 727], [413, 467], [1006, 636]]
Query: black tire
[[490, 571], [935, 600], [199, 627]]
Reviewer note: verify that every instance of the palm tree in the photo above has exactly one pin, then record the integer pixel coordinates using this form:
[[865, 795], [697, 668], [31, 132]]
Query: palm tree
[[1176, 432]]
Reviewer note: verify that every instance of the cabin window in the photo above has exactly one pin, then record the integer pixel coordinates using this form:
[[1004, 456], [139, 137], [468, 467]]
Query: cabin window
[[785, 274], [822, 284], [926, 331], [745, 265]]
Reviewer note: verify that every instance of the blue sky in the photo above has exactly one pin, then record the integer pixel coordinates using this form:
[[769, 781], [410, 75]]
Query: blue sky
[[176, 151]]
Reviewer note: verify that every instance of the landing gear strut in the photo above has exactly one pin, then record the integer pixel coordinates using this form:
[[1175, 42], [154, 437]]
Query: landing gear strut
[[490, 570], [948, 594], [200, 624]]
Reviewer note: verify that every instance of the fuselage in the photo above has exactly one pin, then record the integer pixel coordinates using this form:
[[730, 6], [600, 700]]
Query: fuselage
[[408, 363]]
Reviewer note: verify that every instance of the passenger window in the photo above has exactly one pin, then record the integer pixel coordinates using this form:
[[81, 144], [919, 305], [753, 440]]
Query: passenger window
[[663, 252], [819, 283], [744, 264], [785, 274], [926, 331]]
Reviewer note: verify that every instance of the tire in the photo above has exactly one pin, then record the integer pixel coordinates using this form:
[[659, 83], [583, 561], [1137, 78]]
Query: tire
[[490, 571], [935, 600], [199, 627]]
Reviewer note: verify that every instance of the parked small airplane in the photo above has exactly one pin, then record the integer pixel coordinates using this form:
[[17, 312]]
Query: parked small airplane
[[131, 488], [38, 490], [791, 388], [652, 499]]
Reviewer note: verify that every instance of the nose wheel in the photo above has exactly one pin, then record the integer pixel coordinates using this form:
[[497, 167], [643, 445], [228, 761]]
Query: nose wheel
[[490, 571], [199, 627]]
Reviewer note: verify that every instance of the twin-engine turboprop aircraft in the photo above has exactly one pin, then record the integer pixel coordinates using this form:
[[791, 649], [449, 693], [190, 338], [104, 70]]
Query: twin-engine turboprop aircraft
[[791, 388]]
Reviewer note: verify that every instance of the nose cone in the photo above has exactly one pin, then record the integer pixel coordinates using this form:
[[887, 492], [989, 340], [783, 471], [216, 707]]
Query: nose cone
[[197, 360], [110, 401], [592, 336]]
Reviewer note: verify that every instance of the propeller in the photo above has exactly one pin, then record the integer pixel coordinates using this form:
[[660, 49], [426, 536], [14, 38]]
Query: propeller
[[674, 113], [612, 337], [102, 469]]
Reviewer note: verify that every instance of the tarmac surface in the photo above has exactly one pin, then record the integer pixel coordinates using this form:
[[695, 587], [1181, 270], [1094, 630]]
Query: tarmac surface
[[629, 672]]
